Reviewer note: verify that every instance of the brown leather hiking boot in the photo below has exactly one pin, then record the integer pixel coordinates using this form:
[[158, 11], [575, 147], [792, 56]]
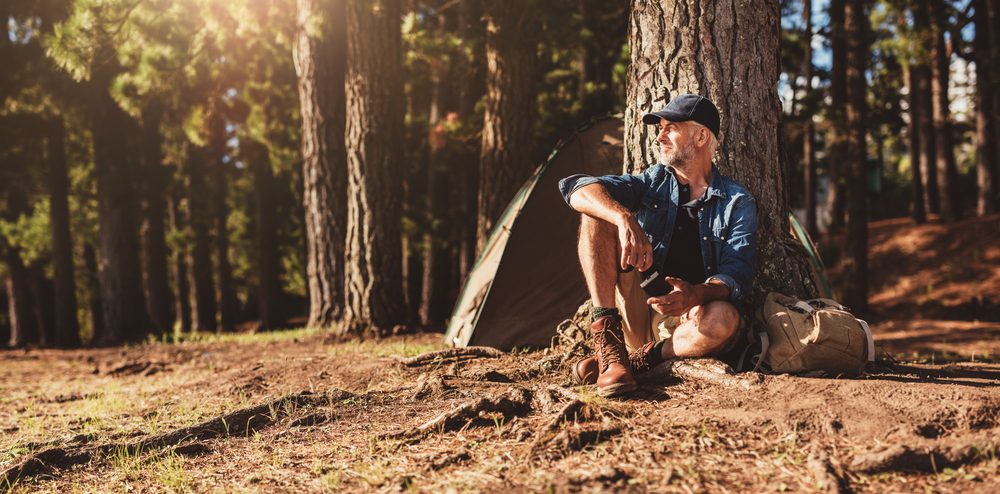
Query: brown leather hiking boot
[[640, 360], [615, 376]]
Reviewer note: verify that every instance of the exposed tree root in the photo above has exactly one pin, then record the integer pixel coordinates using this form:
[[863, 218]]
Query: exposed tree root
[[573, 438], [828, 479], [449, 354], [514, 402], [927, 457], [239, 422], [703, 370]]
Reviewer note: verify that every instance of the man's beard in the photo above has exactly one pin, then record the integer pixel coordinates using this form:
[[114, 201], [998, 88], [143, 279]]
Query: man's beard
[[678, 158]]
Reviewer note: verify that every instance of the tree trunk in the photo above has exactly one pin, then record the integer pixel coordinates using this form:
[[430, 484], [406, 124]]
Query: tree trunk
[[471, 91], [199, 219], [727, 51], [855, 263], [320, 62], [179, 266], [993, 21], [374, 97], [67, 328], [838, 101], [928, 146], [94, 305], [226, 293], [604, 29], [917, 210], [808, 152], [23, 321], [4, 315], [154, 244], [507, 150], [268, 258], [947, 171], [125, 317], [986, 124], [43, 295]]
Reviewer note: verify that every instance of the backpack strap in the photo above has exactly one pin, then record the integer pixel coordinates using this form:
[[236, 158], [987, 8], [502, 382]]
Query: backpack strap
[[870, 338], [765, 343]]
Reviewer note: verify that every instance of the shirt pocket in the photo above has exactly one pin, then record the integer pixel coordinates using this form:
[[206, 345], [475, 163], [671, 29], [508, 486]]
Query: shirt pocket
[[651, 217]]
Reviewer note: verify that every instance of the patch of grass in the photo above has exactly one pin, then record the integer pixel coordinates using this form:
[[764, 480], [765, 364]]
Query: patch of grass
[[241, 338], [172, 475]]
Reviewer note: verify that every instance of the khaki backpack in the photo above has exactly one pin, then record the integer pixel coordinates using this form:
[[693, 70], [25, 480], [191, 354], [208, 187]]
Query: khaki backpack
[[812, 336]]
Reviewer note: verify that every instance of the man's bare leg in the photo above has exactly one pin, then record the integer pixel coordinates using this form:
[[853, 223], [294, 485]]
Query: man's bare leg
[[708, 328], [598, 250]]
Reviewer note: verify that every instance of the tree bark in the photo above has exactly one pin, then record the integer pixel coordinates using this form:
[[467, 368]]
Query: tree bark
[[23, 321], [604, 29], [154, 245], [917, 210], [125, 317], [470, 92], [855, 263], [94, 305], [507, 149], [726, 50], [947, 170], [268, 258], [808, 152], [199, 219], [43, 295], [218, 171], [67, 328], [4, 315], [986, 124], [993, 21], [320, 62], [838, 101], [179, 266], [928, 146], [374, 300]]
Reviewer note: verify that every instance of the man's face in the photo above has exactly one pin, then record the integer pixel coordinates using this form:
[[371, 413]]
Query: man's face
[[676, 143]]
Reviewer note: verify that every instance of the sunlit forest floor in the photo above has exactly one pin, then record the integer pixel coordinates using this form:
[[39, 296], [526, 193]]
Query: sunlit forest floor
[[303, 413]]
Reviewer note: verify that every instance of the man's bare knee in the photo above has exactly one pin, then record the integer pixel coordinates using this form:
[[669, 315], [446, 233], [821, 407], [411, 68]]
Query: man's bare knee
[[717, 322]]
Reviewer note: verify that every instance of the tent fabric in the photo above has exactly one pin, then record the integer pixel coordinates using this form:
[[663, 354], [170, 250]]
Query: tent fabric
[[527, 279]]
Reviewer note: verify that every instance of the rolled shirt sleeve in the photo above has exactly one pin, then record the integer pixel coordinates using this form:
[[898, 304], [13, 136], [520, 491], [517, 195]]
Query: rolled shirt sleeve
[[628, 190], [738, 256]]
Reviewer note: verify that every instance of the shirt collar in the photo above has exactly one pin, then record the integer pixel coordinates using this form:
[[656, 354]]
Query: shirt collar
[[715, 188]]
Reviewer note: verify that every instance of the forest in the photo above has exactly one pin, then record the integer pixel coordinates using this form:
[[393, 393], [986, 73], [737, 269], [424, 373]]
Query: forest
[[199, 197]]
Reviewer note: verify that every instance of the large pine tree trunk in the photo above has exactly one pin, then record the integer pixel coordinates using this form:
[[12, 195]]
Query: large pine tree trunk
[[374, 292], [986, 125], [266, 233], [855, 263], [470, 92], [320, 62], [43, 294], [199, 219], [154, 245], [947, 170], [808, 152], [23, 321], [67, 328], [838, 101], [727, 51], [125, 317], [179, 266], [507, 152], [4, 315], [917, 210], [922, 72], [993, 25]]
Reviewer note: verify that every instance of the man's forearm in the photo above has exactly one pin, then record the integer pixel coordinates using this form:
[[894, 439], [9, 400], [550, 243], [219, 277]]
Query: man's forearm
[[712, 290], [593, 200]]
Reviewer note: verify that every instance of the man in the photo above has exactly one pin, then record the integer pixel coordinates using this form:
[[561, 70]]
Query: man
[[680, 224]]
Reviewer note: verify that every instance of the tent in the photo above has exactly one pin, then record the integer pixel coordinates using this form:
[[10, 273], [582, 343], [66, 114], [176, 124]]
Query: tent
[[527, 278]]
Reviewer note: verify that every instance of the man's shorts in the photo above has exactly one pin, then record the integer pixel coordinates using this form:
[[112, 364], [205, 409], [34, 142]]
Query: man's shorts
[[641, 324]]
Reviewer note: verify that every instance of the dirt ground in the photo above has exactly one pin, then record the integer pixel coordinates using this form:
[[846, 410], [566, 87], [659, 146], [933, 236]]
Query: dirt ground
[[295, 412]]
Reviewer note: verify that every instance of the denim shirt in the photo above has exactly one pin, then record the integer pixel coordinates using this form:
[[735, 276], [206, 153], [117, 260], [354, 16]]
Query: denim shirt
[[727, 219]]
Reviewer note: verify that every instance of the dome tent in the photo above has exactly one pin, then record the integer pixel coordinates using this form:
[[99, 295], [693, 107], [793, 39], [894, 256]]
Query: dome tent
[[527, 279]]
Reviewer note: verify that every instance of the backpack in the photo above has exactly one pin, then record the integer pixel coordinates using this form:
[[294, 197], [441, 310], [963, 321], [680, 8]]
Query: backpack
[[812, 336]]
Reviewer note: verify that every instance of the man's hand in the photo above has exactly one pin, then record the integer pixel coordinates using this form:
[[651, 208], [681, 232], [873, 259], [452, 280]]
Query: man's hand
[[679, 301], [635, 247]]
